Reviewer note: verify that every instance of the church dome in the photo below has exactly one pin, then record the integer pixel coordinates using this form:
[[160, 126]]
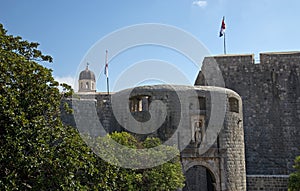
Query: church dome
[[87, 75]]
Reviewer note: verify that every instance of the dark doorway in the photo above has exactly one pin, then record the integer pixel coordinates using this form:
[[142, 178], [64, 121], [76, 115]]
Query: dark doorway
[[199, 178]]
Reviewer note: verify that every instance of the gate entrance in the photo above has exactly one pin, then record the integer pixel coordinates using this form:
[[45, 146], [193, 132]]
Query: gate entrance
[[199, 178]]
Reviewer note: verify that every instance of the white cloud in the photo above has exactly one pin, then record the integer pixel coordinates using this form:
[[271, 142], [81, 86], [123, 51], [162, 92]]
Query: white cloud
[[201, 4], [67, 80]]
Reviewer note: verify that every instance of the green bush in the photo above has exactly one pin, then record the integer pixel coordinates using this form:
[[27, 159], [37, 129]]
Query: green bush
[[294, 179]]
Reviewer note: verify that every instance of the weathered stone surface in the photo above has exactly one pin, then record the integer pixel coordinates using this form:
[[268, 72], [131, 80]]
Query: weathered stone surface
[[268, 120], [270, 91], [221, 162], [267, 182]]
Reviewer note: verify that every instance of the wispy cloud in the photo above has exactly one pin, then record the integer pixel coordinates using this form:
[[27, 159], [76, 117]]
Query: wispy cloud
[[67, 80], [201, 4]]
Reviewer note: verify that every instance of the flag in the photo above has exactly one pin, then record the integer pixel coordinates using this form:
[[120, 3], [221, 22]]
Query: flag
[[223, 27], [106, 70], [106, 66]]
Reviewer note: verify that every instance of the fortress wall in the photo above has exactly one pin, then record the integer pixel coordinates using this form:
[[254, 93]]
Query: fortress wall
[[83, 105], [280, 57], [267, 182], [271, 103], [225, 160], [166, 96]]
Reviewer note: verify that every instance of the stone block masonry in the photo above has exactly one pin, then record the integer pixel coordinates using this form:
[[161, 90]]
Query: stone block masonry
[[270, 91], [188, 112], [267, 182], [262, 115]]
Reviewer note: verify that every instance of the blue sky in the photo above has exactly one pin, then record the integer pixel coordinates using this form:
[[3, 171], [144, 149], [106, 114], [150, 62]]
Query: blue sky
[[67, 29]]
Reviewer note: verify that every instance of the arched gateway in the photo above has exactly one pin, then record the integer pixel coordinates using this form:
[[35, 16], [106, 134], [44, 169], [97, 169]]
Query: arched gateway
[[201, 177]]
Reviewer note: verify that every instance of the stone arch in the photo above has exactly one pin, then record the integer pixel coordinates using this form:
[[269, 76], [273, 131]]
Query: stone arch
[[214, 172]]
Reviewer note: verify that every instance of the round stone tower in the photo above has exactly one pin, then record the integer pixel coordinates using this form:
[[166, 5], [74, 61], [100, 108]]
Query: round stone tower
[[87, 82], [205, 122]]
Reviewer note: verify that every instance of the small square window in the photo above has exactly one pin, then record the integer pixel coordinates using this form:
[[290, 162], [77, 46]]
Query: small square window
[[233, 105]]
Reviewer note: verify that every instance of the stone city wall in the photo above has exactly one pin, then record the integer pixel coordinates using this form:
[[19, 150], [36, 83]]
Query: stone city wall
[[270, 91], [267, 182]]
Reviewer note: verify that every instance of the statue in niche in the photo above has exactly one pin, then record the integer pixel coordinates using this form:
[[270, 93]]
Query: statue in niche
[[198, 132]]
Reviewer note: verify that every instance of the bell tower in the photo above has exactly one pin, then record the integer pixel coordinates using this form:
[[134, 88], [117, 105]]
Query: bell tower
[[87, 82]]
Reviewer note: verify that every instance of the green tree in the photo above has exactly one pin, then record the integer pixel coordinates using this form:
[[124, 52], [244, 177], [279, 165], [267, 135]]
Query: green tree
[[294, 179], [37, 152], [167, 176]]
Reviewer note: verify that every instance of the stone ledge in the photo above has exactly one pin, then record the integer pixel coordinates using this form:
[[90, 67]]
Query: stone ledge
[[268, 176]]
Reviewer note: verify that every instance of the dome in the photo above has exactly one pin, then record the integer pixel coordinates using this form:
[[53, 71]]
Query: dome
[[87, 75]]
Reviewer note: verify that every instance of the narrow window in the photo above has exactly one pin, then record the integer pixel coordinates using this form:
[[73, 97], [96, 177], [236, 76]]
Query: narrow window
[[233, 105], [133, 104], [202, 103], [145, 103], [140, 105], [87, 85]]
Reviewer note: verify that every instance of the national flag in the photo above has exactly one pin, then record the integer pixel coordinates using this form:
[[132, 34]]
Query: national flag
[[106, 70], [106, 66], [223, 27]]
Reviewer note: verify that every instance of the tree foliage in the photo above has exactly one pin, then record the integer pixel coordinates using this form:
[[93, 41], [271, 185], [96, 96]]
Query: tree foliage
[[38, 152], [167, 176], [294, 179]]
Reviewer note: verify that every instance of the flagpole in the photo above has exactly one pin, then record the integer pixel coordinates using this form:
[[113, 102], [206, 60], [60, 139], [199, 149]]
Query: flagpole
[[224, 43], [107, 84], [106, 72], [222, 33]]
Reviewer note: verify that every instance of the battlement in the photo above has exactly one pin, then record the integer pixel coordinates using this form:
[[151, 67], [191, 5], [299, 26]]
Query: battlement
[[280, 57], [246, 59], [230, 59]]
